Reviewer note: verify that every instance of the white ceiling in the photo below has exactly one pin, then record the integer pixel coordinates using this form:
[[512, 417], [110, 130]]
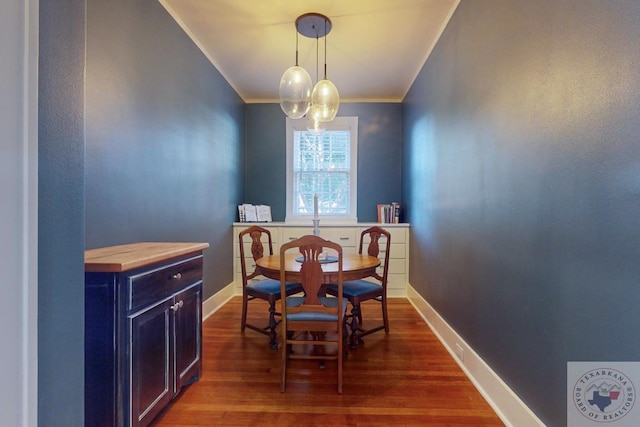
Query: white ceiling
[[374, 51]]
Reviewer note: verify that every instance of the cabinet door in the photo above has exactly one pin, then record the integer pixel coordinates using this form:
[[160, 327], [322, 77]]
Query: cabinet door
[[187, 329], [151, 361]]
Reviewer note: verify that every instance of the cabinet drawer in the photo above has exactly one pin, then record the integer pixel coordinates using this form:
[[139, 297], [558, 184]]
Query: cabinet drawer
[[346, 237], [293, 233], [343, 235], [151, 285], [398, 235], [249, 263], [396, 266], [398, 251]]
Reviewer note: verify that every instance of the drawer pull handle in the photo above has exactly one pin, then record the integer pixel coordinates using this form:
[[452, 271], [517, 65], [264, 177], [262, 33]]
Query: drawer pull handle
[[177, 306], [344, 238], [177, 276], [292, 238]]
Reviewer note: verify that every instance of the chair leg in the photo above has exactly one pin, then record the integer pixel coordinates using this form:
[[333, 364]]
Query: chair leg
[[345, 337], [273, 339], [356, 318], [340, 360], [243, 322], [385, 317], [283, 364]]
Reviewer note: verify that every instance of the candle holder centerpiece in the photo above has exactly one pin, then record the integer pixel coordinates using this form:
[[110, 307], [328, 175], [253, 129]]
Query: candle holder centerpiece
[[316, 219]]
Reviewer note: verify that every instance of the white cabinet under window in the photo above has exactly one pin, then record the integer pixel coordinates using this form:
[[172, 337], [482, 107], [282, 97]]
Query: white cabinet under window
[[348, 236]]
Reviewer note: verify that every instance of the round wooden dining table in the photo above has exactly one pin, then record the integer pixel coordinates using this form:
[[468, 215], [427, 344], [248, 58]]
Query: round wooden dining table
[[354, 267]]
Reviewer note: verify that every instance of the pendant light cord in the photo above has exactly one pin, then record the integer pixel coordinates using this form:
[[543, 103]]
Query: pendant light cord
[[325, 49], [296, 44], [317, 55]]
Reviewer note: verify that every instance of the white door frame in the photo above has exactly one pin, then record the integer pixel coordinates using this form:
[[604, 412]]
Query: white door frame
[[19, 210]]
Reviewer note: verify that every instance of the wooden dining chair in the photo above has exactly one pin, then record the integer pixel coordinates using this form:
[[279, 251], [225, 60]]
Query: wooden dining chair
[[314, 320], [373, 288], [254, 285]]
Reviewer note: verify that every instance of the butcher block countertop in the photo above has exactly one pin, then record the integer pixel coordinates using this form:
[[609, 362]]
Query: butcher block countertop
[[120, 258]]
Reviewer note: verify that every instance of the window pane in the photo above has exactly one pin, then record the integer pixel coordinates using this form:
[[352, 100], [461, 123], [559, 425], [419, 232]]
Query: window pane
[[332, 189], [321, 165], [325, 165]]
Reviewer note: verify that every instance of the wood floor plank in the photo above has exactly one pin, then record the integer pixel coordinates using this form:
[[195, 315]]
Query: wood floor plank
[[405, 378]]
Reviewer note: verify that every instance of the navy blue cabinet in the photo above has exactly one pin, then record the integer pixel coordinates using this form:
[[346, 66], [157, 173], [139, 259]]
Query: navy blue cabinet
[[143, 329]]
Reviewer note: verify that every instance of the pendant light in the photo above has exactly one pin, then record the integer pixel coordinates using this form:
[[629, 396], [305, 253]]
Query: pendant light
[[295, 89], [324, 100]]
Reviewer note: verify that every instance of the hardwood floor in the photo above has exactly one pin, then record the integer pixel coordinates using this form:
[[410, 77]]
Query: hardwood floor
[[405, 378]]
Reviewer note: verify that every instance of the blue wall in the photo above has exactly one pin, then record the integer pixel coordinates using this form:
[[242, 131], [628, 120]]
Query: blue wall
[[379, 156], [522, 181], [60, 214], [164, 136]]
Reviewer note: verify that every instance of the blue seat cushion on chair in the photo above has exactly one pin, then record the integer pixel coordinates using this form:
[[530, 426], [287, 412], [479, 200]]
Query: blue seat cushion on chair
[[355, 288], [270, 286], [314, 316]]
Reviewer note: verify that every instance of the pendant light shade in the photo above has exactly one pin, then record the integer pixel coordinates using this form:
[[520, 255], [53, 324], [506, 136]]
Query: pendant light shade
[[325, 101], [295, 92]]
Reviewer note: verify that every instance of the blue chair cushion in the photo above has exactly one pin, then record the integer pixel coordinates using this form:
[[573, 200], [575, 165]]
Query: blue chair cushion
[[270, 286], [355, 288], [313, 316]]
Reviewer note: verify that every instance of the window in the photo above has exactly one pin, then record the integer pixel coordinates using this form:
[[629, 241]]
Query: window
[[326, 165]]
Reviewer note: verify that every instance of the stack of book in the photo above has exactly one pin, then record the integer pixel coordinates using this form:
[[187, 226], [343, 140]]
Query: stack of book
[[389, 213]]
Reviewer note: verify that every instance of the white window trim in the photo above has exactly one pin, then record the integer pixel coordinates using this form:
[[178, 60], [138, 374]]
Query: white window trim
[[339, 123]]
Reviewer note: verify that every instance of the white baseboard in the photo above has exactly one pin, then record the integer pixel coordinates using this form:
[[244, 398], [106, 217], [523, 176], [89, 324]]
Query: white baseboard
[[507, 405], [212, 304]]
